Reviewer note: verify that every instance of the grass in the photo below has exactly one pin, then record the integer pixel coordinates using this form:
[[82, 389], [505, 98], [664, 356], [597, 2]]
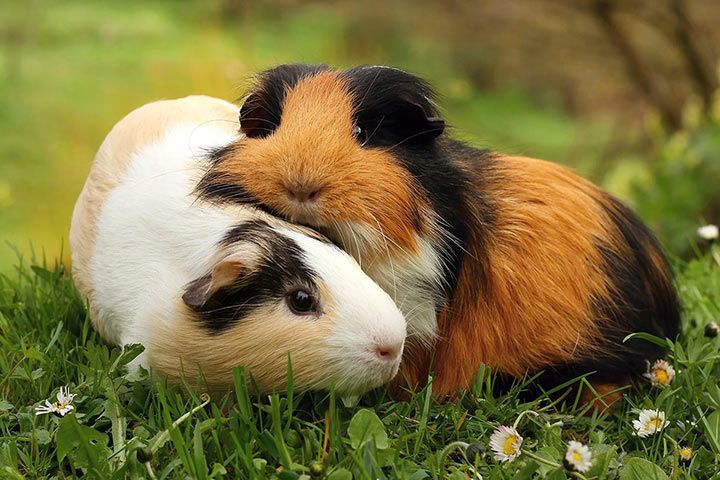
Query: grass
[[46, 341]]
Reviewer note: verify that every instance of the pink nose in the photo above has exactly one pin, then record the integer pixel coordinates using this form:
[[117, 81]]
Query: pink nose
[[388, 351], [302, 194]]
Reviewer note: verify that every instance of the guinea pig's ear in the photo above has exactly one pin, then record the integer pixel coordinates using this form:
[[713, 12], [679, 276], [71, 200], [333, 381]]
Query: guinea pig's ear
[[201, 292], [259, 114], [421, 123]]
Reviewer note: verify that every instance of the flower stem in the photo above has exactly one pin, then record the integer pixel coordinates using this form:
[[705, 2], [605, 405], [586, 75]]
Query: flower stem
[[162, 437], [540, 459], [149, 468], [517, 420], [450, 447]]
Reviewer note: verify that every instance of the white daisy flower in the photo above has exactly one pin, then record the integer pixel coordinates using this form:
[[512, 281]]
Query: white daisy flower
[[649, 423], [708, 232], [505, 442], [62, 407], [578, 456], [660, 374]]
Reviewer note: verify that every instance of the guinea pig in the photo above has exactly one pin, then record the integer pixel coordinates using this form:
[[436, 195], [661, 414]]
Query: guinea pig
[[507, 261], [208, 287]]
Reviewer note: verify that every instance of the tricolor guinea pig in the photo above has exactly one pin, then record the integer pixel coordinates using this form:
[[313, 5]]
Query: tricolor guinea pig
[[507, 261], [208, 287]]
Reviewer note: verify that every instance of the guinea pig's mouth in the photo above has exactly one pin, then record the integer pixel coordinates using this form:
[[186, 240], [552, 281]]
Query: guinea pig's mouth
[[360, 375]]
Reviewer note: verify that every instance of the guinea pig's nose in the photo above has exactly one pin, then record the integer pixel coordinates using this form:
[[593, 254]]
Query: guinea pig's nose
[[302, 193], [388, 350]]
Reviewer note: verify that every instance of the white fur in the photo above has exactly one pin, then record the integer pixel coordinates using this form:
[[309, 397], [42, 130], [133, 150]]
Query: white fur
[[410, 279], [360, 326], [154, 237]]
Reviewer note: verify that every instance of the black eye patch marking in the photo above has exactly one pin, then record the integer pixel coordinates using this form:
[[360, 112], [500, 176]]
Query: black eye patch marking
[[261, 111], [281, 269]]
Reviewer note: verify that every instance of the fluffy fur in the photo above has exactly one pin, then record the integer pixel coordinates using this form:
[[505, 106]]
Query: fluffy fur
[[206, 287], [512, 262]]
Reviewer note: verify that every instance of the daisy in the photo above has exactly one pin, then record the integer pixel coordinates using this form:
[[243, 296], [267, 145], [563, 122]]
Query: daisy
[[685, 454], [62, 407], [661, 373], [578, 457], [649, 423], [505, 442], [708, 232]]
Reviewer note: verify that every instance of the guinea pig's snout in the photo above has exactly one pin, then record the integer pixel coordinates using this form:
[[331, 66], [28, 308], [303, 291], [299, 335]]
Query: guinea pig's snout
[[388, 349], [302, 192]]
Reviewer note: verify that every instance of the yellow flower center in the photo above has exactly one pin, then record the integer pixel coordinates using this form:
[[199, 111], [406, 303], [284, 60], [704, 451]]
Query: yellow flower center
[[686, 453], [576, 456], [661, 376], [655, 422], [508, 445]]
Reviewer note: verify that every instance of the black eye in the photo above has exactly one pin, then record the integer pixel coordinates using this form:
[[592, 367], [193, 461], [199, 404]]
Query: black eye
[[359, 133], [301, 302]]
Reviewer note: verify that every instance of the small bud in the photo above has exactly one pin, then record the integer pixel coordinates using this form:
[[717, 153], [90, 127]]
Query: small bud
[[711, 330], [316, 469], [474, 451], [144, 454], [293, 439]]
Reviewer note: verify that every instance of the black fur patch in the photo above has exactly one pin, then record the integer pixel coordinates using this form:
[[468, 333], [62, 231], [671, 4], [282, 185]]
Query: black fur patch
[[392, 106], [216, 187], [261, 111], [281, 269]]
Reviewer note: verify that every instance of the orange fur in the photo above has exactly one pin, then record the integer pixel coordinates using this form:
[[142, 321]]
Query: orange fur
[[605, 398], [534, 307], [318, 150]]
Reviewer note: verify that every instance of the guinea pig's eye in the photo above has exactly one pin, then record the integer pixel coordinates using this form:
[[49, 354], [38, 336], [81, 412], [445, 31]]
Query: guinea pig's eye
[[301, 302], [359, 133]]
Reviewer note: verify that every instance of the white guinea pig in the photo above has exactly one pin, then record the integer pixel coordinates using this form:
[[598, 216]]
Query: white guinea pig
[[207, 287]]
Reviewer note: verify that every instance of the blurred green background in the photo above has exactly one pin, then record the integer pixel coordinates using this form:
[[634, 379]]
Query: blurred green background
[[624, 91]]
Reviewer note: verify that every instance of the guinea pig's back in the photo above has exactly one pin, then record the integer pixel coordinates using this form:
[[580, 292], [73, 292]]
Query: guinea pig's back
[[135, 213]]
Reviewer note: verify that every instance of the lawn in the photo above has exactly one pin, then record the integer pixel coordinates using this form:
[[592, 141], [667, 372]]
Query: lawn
[[121, 418]]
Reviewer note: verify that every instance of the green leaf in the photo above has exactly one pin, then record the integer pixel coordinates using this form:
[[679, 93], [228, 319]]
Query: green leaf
[[85, 447], [43, 273], [419, 475], [711, 424], [550, 454], [129, 353], [199, 453], [640, 469], [6, 406], [364, 426], [218, 471], [602, 455], [527, 471], [42, 436], [340, 474], [648, 337]]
